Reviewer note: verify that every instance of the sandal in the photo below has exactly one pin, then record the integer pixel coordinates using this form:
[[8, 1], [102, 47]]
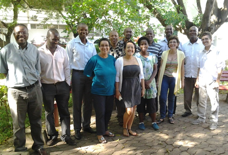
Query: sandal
[[132, 132], [160, 121], [109, 134], [125, 133], [171, 121], [102, 140]]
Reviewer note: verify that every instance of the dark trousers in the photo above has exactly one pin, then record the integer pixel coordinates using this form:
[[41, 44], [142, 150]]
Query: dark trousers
[[81, 89], [189, 85], [103, 107], [168, 85], [61, 93], [22, 101], [120, 110]]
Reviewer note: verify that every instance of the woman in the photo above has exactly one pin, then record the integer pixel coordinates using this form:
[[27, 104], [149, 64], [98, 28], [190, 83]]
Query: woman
[[129, 77], [101, 68], [149, 62], [171, 77]]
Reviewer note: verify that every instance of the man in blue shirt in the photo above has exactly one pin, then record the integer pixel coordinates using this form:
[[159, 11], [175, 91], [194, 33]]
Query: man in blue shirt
[[80, 50]]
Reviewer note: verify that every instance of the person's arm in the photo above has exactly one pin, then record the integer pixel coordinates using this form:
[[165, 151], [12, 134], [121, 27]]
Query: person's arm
[[117, 84], [218, 78], [197, 79], [66, 68], [182, 73], [117, 94], [143, 88], [147, 82], [70, 54], [159, 72]]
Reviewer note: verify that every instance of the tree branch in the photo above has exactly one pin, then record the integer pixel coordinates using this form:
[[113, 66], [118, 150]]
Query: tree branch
[[199, 6], [207, 15], [4, 24]]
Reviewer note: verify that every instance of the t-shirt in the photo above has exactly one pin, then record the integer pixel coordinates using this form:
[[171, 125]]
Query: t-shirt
[[103, 72]]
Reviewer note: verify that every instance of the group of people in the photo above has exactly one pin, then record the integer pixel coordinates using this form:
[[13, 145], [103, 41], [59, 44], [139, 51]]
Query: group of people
[[133, 77]]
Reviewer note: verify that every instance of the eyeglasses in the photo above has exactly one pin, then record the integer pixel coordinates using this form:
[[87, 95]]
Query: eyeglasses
[[172, 42], [18, 33]]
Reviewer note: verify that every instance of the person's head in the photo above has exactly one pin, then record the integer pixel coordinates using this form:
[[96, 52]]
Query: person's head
[[82, 30], [143, 43], [150, 34], [113, 36], [104, 46], [129, 47], [206, 38], [20, 33], [52, 37], [128, 33], [168, 31], [173, 42], [193, 33]]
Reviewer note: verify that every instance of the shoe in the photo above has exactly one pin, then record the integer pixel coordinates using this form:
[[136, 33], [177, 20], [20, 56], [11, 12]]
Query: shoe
[[213, 126], [109, 134], [52, 141], [171, 121], [70, 141], [21, 149], [102, 140], [90, 130], [126, 134], [78, 135], [132, 132], [198, 121], [155, 126], [160, 121], [42, 151], [142, 126], [185, 114]]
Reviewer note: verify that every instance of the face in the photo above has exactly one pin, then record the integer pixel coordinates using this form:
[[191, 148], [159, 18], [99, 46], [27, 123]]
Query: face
[[104, 47], [144, 45], [206, 41], [193, 32], [53, 39], [82, 31], [113, 36], [21, 35], [128, 33], [150, 35], [168, 31], [130, 49], [173, 44]]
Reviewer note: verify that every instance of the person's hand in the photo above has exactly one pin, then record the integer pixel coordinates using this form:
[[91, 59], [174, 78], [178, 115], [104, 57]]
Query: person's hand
[[117, 95], [142, 92], [147, 84]]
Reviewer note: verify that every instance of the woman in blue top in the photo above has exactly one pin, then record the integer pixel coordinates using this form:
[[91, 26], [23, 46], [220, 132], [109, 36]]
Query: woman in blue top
[[101, 68]]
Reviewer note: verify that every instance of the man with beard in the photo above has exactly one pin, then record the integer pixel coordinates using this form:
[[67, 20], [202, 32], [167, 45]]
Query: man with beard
[[156, 50], [20, 63], [191, 50], [80, 50], [55, 79]]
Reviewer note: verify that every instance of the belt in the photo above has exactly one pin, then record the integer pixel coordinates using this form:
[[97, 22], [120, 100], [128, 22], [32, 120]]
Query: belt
[[27, 87], [53, 83], [78, 70]]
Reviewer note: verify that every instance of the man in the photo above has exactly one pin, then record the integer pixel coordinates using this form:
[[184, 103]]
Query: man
[[114, 48], [164, 42], [156, 50], [127, 36], [20, 63], [208, 78], [80, 50], [191, 50], [55, 79]]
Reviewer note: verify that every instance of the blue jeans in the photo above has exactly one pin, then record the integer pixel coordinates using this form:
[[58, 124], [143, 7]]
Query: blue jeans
[[168, 83]]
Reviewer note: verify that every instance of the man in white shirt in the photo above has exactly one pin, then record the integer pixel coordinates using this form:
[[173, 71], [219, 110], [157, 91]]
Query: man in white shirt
[[191, 50], [80, 50], [210, 67], [55, 79]]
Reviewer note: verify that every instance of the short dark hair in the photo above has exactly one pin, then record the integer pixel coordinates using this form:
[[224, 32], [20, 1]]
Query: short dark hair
[[143, 38], [21, 25], [207, 33], [81, 24], [129, 42], [53, 30], [103, 39], [173, 37]]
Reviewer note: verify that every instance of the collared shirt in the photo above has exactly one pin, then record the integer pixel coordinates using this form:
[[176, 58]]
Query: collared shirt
[[164, 45], [54, 68], [156, 50], [209, 63], [22, 66], [115, 52], [121, 47], [79, 53], [192, 52]]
